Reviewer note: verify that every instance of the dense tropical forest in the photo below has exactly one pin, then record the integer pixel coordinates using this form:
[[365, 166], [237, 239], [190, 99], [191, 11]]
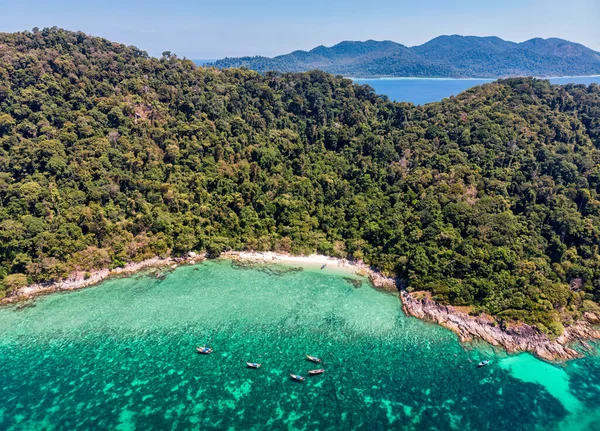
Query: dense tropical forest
[[107, 155], [445, 56]]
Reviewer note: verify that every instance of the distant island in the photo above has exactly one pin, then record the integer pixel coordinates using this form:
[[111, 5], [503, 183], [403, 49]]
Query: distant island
[[445, 56]]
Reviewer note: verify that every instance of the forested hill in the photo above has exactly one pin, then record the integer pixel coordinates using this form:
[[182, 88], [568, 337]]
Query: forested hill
[[108, 155], [445, 56]]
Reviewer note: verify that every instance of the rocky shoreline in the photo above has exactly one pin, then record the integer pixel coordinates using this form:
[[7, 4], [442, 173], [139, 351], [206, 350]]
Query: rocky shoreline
[[81, 279], [514, 338]]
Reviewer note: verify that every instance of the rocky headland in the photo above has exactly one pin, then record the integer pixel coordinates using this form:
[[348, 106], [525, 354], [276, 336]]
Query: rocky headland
[[512, 337]]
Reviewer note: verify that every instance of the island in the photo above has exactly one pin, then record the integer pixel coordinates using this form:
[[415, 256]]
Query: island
[[486, 202], [443, 57]]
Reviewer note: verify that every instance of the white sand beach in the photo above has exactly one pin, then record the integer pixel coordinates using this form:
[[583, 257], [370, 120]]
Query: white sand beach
[[316, 262]]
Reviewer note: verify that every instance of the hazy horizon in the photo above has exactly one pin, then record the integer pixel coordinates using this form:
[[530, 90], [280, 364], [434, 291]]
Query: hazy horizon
[[205, 30]]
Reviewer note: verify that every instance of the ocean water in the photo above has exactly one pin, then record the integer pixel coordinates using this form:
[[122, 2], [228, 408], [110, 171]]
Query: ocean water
[[121, 356], [425, 90], [203, 61]]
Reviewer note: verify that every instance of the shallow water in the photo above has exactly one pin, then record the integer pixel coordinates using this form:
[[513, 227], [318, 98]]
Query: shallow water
[[121, 356], [426, 90]]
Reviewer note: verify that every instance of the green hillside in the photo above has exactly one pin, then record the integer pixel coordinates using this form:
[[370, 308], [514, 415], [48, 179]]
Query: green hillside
[[107, 156]]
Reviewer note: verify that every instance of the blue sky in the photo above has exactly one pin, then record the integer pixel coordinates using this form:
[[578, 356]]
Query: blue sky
[[213, 29]]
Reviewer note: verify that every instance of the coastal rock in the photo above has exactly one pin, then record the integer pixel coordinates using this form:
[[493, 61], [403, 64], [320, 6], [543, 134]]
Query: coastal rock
[[80, 279], [381, 281], [192, 254], [519, 338], [591, 317]]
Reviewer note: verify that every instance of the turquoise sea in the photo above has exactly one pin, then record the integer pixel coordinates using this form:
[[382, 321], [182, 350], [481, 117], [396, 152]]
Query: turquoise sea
[[121, 356], [426, 90]]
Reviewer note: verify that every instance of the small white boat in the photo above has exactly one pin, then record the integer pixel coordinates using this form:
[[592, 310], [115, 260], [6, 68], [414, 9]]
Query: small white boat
[[297, 378], [483, 363], [315, 372], [313, 359], [204, 350], [253, 365]]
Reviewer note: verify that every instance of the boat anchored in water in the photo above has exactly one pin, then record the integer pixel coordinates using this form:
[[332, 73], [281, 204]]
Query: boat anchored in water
[[297, 378], [204, 350], [315, 372], [483, 363], [253, 365], [313, 359]]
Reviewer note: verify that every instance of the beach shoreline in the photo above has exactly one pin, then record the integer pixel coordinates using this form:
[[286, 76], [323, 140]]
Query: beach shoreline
[[82, 279], [512, 338], [319, 261]]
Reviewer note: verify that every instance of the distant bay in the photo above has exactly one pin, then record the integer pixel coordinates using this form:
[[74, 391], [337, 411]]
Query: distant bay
[[427, 90]]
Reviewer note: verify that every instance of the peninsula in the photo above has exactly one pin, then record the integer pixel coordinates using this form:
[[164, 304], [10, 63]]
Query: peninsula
[[487, 201]]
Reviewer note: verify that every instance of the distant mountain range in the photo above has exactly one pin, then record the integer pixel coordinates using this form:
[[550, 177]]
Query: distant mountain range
[[445, 56]]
